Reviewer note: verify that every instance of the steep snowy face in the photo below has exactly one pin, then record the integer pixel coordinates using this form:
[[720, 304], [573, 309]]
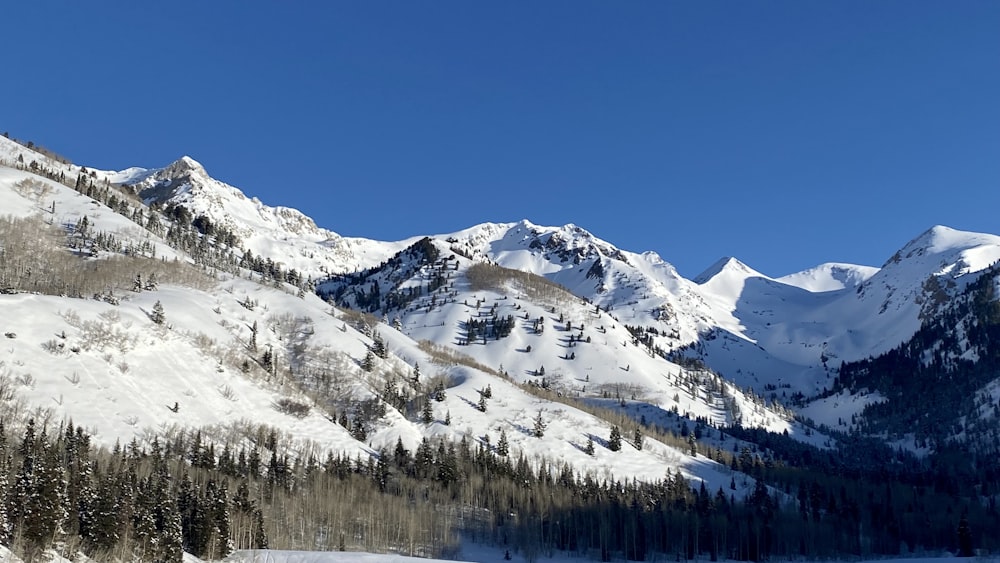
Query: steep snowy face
[[953, 252], [921, 277], [285, 235], [802, 326]]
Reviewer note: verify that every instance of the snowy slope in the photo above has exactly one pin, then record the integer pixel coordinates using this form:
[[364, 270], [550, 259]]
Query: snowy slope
[[777, 336], [557, 340], [831, 276], [760, 332], [115, 372]]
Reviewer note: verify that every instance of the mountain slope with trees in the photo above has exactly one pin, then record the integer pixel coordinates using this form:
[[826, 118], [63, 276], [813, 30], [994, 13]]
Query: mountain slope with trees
[[203, 373]]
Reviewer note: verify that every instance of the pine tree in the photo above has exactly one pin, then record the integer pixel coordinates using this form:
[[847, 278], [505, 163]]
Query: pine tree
[[482, 402], [368, 364], [503, 447], [427, 413], [217, 498], [378, 346], [589, 449], [615, 440], [637, 438], [539, 429], [46, 502], [158, 315]]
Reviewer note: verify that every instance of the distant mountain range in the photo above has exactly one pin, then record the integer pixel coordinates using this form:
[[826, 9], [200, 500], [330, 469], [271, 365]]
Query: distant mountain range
[[273, 310]]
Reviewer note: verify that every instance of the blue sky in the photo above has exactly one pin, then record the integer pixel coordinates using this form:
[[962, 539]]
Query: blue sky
[[783, 133]]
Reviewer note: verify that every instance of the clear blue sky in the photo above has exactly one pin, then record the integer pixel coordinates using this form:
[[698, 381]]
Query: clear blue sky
[[784, 133]]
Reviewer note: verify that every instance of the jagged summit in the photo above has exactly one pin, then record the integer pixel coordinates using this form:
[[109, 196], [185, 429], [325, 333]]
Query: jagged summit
[[186, 163]]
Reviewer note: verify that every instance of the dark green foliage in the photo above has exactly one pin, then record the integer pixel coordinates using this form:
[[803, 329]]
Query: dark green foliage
[[931, 381], [368, 363], [539, 429], [615, 439], [163, 500], [489, 328], [378, 346], [503, 447], [427, 412]]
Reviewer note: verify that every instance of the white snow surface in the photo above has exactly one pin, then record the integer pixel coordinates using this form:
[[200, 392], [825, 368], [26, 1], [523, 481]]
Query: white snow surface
[[831, 276], [111, 370], [774, 335]]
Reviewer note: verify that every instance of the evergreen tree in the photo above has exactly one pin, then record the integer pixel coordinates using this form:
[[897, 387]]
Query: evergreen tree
[[539, 429], [45, 506], [427, 413], [218, 506], [158, 316], [637, 438], [439, 393], [503, 448], [378, 346], [615, 440], [368, 364], [589, 449]]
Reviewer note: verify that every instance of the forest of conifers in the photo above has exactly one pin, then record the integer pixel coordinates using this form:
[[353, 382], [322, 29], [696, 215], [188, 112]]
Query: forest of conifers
[[185, 494]]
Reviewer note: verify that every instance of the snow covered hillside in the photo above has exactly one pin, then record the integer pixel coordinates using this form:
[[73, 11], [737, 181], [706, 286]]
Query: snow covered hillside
[[111, 368], [161, 306]]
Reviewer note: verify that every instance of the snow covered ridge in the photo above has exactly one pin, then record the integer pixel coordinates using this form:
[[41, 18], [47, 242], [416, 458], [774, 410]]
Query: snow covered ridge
[[769, 333], [818, 305], [544, 354], [285, 235], [227, 358]]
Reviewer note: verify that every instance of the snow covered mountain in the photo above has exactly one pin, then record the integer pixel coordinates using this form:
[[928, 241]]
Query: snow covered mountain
[[778, 336], [109, 366], [158, 302], [286, 235]]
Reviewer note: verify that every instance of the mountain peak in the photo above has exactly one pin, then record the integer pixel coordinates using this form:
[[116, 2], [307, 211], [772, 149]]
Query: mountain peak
[[184, 166], [728, 265], [956, 244]]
